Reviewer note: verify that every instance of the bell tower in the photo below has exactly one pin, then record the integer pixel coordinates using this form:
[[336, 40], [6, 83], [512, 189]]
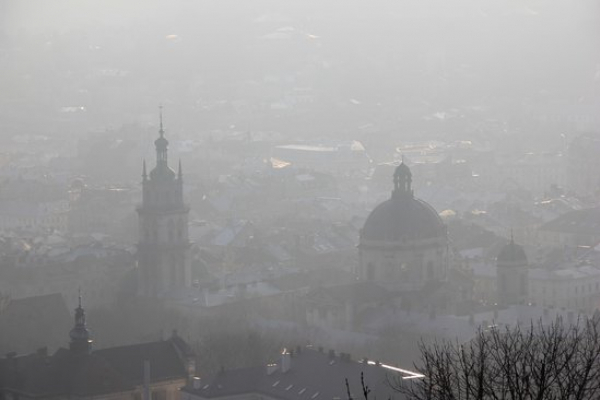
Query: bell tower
[[81, 342], [163, 243]]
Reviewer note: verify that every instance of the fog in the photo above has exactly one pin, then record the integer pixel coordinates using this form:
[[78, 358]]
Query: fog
[[214, 185]]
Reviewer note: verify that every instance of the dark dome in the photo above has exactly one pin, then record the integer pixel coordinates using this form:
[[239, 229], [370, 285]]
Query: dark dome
[[512, 253], [402, 169], [404, 218]]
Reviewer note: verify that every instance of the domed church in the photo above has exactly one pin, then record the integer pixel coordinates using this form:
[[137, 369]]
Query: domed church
[[403, 244]]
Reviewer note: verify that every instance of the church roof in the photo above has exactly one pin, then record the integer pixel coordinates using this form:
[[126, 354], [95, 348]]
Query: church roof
[[104, 371]]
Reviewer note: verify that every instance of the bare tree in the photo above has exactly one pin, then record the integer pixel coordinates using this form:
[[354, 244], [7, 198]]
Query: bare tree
[[558, 361]]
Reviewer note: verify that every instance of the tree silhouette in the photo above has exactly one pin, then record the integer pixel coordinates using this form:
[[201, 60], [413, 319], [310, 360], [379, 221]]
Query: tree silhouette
[[558, 361]]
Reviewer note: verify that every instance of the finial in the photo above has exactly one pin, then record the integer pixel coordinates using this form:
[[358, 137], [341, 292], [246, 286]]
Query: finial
[[161, 131]]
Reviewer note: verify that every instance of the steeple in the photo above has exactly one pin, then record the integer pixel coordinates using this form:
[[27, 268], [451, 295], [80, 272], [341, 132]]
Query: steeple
[[80, 335], [161, 144], [402, 181]]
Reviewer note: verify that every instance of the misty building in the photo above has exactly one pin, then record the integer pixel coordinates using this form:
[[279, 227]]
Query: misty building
[[403, 244], [163, 247], [512, 275], [583, 165], [118, 373]]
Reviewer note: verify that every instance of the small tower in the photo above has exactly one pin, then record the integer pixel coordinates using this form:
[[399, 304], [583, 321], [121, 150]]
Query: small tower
[[80, 343], [402, 182], [512, 275]]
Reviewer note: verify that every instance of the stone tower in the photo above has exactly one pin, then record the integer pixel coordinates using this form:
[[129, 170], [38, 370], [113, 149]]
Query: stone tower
[[163, 245]]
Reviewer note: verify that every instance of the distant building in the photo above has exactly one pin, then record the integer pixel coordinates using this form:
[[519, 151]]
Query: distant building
[[342, 158], [163, 247], [574, 287], [512, 275], [118, 373], [302, 374], [583, 165], [575, 228]]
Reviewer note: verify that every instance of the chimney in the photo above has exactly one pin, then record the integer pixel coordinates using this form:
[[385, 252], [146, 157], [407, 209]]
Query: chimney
[[271, 368], [196, 383], [286, 361]]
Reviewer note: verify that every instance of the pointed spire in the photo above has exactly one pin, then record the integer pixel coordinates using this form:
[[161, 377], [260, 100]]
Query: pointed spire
[[161, 131]]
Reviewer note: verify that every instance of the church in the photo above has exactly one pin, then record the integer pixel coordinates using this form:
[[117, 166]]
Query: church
[[163, 246], [403, 264], [403, 244]]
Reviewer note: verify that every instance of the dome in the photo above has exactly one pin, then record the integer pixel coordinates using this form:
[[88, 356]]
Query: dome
[[404, 218], [402, 169], [512, 253]]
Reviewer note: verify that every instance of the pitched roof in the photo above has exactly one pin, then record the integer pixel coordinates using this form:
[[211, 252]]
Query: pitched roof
[[165, 362], [586, 221], [109, 370], [313, 375]]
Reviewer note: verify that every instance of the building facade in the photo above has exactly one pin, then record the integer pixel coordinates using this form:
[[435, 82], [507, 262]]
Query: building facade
[[512, 275]]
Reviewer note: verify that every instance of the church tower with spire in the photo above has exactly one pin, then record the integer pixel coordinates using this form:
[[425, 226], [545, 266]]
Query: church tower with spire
[[81, 342], [163, 245]]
